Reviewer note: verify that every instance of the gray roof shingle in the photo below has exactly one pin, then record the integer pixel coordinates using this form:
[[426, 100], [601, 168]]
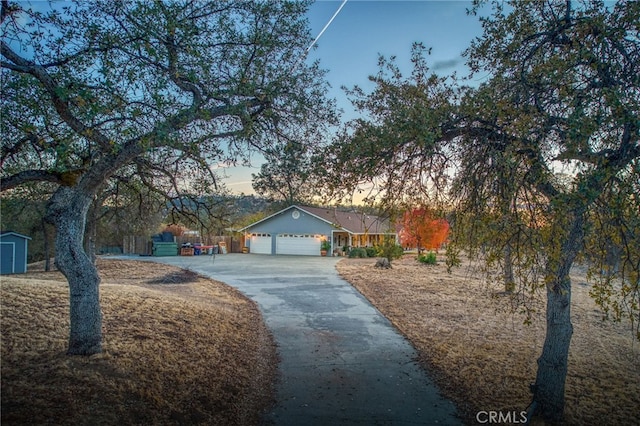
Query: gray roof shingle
[[352, 221]]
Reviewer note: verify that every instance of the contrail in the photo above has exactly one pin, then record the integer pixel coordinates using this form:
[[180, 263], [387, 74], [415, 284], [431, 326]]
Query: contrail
[[326, 26], [297, 64]]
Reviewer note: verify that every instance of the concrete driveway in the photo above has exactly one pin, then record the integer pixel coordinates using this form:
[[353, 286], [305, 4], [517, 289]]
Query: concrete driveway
[[342, 362]]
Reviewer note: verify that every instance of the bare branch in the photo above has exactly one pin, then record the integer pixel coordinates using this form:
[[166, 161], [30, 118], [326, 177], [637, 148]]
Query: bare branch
[[13, 181]]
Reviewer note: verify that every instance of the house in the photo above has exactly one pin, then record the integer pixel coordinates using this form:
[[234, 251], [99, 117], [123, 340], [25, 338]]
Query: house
[[13, 253], [300, 230]]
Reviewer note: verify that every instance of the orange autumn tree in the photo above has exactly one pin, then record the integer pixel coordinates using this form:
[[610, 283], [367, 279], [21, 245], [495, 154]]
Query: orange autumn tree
[[422, 229]]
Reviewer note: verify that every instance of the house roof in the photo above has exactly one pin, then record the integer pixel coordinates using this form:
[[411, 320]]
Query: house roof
[[350, 221]]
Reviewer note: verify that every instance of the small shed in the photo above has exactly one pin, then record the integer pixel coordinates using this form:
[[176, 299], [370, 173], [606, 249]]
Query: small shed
[[13, 253]]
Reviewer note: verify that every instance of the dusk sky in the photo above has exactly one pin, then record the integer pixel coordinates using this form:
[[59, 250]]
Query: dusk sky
[[363, 29]]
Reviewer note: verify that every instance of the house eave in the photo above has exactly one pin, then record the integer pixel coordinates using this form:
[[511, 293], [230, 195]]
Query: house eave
[[336, 227], [265, 219], [289, 208]]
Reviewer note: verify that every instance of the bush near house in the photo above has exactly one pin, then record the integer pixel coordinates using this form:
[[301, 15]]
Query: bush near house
[[372, 251], [390, 251], [358, 252], [428, 259]]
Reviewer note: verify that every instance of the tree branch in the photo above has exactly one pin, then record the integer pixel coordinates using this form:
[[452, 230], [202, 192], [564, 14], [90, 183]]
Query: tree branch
[[15, 148], [60, 104], [15, 180]]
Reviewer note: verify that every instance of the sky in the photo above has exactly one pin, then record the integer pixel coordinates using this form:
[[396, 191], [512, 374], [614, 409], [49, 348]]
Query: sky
[[363, 30]]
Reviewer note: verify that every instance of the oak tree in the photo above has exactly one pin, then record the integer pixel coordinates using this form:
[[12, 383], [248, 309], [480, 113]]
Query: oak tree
[[565, 103], [540, 163], [171, 87], [286, 175]]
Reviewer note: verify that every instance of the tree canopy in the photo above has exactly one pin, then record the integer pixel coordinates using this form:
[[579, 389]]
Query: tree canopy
[[422, 228], [165, 89], [286, 175], [181, 82], [539, 163]]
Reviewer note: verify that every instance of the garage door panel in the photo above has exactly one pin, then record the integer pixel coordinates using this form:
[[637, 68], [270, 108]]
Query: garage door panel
[[298, 244], [260, 244]]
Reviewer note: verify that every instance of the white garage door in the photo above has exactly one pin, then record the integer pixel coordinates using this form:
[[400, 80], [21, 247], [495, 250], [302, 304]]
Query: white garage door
[[298, 244], [260, 244]]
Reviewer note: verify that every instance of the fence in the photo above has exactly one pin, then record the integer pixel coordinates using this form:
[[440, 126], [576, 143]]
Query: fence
[[136, 245], [143, 245]]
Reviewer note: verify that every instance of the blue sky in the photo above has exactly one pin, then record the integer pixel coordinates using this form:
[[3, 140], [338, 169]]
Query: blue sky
[[350, 47], [364, 29]]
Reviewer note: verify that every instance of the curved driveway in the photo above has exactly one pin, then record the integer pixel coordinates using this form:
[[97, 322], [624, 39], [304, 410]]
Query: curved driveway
[[342, 362]]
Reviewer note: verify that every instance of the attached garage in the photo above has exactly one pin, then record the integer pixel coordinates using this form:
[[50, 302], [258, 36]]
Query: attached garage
[[260, 243], [299, 230], [298, 244]]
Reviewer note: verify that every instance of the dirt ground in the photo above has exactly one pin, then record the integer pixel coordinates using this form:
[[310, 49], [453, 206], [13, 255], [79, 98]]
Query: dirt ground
[[178, 349], [183, 349], [484, 357]]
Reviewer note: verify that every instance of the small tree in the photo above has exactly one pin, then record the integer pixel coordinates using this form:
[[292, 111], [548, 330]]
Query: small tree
[[390, 250], [285, 176], [421, 229]]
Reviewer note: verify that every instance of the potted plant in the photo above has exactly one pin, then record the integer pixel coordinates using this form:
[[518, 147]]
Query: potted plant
[[325, 246]]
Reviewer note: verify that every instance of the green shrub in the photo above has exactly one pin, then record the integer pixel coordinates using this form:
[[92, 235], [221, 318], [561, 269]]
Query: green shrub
[[390, 250], [428, 259], [357, 252], [371, 251]]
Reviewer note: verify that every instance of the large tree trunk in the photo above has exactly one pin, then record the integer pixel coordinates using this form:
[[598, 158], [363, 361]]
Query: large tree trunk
[[47, 249], [67, 210], [552, 364]]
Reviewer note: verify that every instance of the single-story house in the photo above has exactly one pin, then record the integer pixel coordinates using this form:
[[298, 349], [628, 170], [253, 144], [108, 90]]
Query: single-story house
[[300, 230], [13, 252]]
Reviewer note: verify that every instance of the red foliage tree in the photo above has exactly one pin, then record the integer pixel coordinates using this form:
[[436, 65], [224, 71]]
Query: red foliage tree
[[421, 229]]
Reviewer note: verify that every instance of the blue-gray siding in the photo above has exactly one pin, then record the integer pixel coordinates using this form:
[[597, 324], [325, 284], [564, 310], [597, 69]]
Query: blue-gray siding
[[13, 253], [284, 223]]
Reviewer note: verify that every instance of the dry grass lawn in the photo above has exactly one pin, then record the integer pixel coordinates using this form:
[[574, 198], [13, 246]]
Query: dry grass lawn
[[484, 358], [183, 349], [178, 349]]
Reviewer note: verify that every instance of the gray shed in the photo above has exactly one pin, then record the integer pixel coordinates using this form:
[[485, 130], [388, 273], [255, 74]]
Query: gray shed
[[13, 253]]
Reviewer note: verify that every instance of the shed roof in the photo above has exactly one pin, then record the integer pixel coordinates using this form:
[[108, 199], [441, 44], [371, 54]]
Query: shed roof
[[3, 233]]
